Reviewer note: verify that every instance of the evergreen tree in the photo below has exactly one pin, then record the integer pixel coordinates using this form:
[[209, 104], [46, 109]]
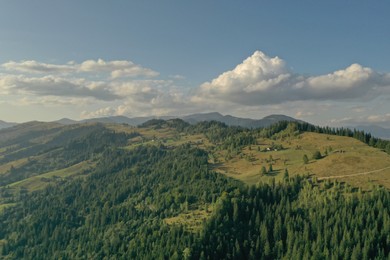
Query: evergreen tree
[[305, 159]]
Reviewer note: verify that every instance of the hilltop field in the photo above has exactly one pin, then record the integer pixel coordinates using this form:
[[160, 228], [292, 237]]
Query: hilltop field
[[344, 159]]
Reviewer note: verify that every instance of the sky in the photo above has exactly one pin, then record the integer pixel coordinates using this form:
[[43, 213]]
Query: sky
[[325, 62]]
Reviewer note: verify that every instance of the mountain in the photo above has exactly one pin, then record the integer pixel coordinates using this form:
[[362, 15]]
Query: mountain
[[66, 121], [110, 120], [4, 124], [272, 119], [134, 121], [237, 121], [192, 119], [375, 130], [172, 190]]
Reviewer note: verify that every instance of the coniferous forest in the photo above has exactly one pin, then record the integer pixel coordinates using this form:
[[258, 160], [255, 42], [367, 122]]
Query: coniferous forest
[[128, 205]]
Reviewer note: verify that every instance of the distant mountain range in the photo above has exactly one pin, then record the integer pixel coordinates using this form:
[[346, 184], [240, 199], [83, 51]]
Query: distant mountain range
[[375, 130], [112, 120], [4, 124], [237, 121], [192, 119]]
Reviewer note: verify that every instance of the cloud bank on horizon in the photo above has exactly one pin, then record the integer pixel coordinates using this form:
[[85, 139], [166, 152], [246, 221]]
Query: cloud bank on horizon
[[121, 87]]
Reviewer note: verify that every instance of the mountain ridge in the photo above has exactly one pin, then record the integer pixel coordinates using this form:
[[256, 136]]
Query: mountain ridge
[[375, 130], [192, 119]]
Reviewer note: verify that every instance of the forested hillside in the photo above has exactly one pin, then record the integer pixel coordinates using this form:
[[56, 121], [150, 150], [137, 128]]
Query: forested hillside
[[163, 191]]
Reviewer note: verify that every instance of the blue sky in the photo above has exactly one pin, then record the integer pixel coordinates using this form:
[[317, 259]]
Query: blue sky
[[326, 62]]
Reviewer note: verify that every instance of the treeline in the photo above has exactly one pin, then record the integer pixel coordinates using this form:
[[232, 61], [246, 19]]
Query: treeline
[[235, 137], [218, 133], [225, 137]]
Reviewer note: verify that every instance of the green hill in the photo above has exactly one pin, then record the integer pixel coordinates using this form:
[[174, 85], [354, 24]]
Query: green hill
[[171, 190]]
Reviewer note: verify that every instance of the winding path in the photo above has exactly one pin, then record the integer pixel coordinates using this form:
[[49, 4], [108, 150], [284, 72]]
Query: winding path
[[351, 175]]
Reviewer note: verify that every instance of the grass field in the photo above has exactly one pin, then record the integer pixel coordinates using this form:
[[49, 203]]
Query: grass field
[[345, 159], [341, 156], [193, 219], [41, 181], [345, 156], [4, 168]]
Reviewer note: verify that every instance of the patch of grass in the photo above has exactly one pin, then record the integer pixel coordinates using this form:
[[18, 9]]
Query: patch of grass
[[6, 205], [173, 140], [41, 181], [122, 128], [4, 168], [341, 156], [192, 220]]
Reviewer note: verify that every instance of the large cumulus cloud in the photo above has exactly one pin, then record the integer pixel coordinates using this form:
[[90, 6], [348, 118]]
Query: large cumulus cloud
[[262, 80]]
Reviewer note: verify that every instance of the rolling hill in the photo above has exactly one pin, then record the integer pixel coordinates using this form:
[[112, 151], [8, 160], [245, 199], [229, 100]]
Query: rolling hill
[[168, 189], [28, 148]]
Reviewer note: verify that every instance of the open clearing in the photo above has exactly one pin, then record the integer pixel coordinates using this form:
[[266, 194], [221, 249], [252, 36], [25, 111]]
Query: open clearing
[[346, 157], [41, 181]]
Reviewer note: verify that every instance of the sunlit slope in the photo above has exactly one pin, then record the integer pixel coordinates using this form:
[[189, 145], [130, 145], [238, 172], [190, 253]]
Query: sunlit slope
[[35, 154], [41, 181], [343, 158]]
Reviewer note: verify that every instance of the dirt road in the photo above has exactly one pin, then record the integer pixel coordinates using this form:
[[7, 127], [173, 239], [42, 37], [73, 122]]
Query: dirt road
[[352, 175]]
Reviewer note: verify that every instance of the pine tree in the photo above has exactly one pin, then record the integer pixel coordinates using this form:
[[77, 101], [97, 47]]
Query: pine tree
[[305, 159]]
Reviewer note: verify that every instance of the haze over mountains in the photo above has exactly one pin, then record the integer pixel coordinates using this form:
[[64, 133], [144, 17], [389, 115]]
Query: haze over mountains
[[4, 124], [195, 118], [375, 130]]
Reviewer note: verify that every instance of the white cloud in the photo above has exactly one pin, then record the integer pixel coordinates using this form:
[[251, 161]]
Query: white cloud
[[116, 68], [249, 81], [302, 114], [102, 112], [145, 98], [55, 86], [31, 66], [258, 86], [261, 80], [377, 119], [51, 101], [358, 109], [353, 82], [74, 80], [177, 77]]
